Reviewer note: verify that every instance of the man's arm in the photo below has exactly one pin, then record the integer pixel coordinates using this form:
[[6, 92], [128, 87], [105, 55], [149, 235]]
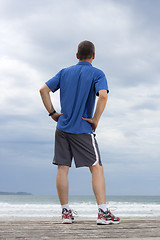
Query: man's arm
[[101, 103], [45, 95]]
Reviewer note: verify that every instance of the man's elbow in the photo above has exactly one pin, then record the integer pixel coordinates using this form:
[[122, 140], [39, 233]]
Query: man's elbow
[[44, 89], [41, 90]]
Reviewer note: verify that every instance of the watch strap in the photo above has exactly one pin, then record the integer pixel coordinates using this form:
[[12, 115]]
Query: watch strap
[[50, 114]]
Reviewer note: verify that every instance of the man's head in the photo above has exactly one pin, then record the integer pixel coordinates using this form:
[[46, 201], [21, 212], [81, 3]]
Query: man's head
[[86, 51]]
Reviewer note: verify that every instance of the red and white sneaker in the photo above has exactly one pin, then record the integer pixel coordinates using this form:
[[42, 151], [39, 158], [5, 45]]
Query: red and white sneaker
[[67, 216], [106, 217]]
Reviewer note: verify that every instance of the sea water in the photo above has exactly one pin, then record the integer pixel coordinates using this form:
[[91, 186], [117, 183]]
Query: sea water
[[29, 207]]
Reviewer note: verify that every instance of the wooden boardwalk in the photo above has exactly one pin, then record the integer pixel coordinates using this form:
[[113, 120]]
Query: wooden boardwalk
[[81, 229]]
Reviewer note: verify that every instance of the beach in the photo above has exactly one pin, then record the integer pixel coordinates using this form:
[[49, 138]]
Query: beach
[[81, 229], [39, 217]]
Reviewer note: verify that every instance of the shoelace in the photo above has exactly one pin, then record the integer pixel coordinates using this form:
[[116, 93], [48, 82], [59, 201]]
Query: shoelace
[[74, 212], [108, 213]]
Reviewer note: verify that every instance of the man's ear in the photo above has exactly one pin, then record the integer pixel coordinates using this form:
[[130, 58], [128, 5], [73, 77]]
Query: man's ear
[[93, 56], [77, 56]]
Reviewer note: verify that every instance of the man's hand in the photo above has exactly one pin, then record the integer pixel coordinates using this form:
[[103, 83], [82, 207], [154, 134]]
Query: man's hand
[[56, 116], [92, 121]]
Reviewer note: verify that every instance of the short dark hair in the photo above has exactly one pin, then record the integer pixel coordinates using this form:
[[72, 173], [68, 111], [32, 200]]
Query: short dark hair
[[86, 49]]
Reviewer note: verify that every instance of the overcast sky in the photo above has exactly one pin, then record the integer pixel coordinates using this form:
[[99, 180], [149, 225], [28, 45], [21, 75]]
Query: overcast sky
[[37, 39]]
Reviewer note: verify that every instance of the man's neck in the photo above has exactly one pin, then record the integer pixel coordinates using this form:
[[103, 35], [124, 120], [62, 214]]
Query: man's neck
[[87, 60]]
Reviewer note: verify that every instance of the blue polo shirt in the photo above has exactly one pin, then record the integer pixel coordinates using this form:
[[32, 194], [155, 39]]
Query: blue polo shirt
[[79, 85]]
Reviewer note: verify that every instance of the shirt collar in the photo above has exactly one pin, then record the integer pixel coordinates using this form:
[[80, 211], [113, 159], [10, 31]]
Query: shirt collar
[[84, 63]]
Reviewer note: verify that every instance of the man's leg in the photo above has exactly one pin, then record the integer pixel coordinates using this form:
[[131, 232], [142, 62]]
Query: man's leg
[[62, 189], [62, 184], [98, 183]]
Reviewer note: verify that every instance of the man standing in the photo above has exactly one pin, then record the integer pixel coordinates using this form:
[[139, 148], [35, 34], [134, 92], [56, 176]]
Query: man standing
[[74, 137]]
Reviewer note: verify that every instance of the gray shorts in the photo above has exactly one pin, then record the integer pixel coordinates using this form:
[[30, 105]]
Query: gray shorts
[[82, 147]]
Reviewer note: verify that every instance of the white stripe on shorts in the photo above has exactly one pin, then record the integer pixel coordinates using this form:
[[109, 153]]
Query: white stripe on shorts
[[95, 149]]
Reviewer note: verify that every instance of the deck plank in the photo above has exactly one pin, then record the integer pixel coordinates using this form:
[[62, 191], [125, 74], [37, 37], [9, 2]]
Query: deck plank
[[81, 229]]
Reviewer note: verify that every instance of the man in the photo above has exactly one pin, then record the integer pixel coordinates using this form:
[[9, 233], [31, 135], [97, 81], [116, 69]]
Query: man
[[74, 137]]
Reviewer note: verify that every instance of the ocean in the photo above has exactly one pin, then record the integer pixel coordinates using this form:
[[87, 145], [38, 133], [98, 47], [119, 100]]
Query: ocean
[[30, 207]]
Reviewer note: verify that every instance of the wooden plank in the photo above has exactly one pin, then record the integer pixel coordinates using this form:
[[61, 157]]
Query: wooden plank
[[81, 229]]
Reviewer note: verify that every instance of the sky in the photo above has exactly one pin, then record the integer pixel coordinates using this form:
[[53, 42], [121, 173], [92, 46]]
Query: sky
[[39, 38]]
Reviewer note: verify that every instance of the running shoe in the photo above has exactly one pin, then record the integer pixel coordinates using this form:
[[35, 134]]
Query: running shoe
[[67, 216], [106, 217]]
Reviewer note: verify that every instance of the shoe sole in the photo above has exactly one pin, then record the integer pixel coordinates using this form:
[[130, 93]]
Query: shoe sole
[[103, 222], [67, 221]]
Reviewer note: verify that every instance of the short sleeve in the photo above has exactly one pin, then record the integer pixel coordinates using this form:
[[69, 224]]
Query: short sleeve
[[54, 83], [101, 82]]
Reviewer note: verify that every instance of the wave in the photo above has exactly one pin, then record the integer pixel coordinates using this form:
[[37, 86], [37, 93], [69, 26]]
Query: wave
[[85, 210]]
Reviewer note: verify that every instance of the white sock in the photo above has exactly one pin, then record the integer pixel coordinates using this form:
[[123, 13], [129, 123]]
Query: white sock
[[65, 206], [103, 207]]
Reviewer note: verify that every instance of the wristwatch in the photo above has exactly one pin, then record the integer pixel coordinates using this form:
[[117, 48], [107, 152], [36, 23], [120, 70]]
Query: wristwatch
[[50, 114]]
